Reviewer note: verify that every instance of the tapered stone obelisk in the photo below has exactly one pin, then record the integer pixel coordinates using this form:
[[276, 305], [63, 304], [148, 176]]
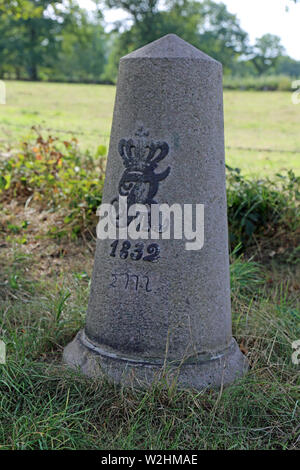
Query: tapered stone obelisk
[[156, 307]]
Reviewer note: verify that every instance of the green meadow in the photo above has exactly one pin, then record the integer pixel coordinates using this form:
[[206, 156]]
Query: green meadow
[[261, 128]]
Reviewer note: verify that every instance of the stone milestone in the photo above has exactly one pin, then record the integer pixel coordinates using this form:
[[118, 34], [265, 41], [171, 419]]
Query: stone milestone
[[161, 306]]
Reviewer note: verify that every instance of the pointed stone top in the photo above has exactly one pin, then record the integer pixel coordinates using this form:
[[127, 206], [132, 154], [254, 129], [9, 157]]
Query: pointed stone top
[[170, 46]]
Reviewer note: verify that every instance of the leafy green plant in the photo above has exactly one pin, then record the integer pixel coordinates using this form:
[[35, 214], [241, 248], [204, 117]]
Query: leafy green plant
[[260, 207], [57, 176]]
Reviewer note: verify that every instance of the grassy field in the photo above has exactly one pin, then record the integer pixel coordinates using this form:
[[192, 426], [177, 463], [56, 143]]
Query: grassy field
[[261, 128], [45, 281], [44, 294]]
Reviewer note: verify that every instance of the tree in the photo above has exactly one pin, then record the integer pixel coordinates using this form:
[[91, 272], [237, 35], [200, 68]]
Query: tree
[[205, 24], [287, 66], [266, 52], [52, 39], [83, 50], [221, 35], [36, 32], [17, 8]]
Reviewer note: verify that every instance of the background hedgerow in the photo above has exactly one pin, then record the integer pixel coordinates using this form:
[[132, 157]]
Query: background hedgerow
[[259, 83]]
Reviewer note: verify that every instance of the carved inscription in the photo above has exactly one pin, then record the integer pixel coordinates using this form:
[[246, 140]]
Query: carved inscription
[[135, 251], [139, 183], [127, 281]]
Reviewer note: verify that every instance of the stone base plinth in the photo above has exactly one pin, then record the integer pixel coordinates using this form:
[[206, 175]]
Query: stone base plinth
[[209, 371]]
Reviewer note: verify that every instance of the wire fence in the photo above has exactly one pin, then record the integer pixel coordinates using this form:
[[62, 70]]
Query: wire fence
[[106, 136]]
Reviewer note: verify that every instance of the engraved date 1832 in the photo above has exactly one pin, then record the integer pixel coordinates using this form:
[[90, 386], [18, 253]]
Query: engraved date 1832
[[137, 251]]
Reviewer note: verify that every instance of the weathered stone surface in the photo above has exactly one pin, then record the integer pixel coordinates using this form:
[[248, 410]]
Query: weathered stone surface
[[174, 312]]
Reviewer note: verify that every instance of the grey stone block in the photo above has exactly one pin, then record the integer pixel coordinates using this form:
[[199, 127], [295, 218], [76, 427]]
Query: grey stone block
[[173, 314]]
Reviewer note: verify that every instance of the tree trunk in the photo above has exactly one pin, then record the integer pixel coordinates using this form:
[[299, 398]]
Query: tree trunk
[[33, 67]]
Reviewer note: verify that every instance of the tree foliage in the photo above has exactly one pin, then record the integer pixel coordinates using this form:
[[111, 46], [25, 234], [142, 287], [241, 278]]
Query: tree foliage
[[25, 8], [206, 24], [266, 52], [51, 39], [58, 40]]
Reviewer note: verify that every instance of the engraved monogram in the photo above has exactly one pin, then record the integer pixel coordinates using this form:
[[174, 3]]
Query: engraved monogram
[[141, 156]]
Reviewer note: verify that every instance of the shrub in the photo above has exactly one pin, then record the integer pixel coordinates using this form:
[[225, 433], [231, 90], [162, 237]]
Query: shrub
[[58, 177], [260, 207]]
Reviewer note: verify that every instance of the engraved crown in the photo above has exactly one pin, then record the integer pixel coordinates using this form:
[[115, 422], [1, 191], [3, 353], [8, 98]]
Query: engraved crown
[[140, 153]]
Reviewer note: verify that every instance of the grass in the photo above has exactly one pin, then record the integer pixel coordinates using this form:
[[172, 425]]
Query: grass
[[44, 287], [45, 279], [68, 109], [268, 124], [43, 406], [261, 128]]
